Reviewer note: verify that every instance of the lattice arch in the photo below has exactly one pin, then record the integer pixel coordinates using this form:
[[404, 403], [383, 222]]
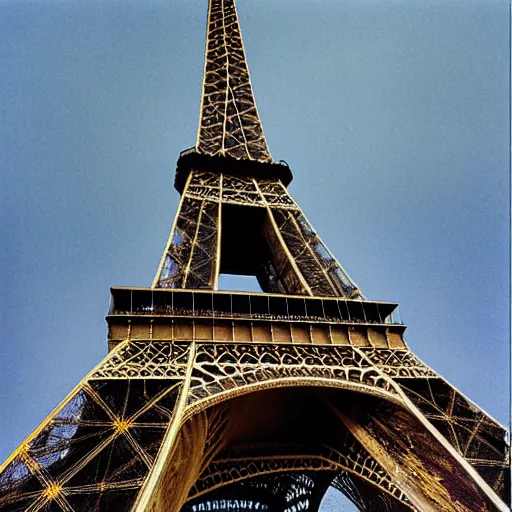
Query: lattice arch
[[375, 423], [152, 402]]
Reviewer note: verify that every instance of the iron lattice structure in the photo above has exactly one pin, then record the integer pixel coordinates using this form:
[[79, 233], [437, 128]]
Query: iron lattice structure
[[226, 401]]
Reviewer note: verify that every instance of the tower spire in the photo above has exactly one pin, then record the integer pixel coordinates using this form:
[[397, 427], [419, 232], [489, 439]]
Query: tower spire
[[229, 124]]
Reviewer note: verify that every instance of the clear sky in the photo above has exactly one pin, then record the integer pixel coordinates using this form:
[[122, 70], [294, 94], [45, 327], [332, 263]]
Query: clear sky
[[393, 115]]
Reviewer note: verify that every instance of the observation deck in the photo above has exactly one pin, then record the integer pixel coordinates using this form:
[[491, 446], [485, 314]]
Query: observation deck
[[191, 159], [229, 316]]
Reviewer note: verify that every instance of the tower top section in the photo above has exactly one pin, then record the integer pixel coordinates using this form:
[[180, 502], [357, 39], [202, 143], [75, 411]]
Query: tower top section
[[230, 136], [229, 124]]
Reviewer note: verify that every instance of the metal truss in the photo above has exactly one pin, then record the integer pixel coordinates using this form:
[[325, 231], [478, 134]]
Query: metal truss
[[288, 491], [151, 402], [208, 405], [367, 497], [295, 261], [229, 123], [235, 468]]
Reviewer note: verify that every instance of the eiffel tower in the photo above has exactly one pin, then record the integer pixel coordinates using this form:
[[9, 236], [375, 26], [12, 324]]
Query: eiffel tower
[[214, 400]]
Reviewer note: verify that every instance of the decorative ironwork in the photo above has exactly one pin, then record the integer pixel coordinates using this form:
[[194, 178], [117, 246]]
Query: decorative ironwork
[[471, 432], [143, 360], [95, 452], [125, 406], [296, 260], [229, 123], [230, 368], [256, 402], [230, 468], [287, 491], [367, 497], [398, 363]]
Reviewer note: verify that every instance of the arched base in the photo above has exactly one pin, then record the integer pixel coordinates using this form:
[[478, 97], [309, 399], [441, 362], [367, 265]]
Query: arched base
[[283, 447]]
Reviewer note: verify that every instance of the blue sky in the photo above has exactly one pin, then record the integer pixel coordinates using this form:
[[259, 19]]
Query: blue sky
[[393, 115]]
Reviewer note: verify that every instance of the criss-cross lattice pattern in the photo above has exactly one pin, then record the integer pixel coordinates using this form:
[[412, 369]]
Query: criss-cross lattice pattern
[[140, 359], [229, 123], [101, 443], [397, 363], [264, 412], [291, 491], [192, 251], [95, 452], [295, 260], [222, 368], [476, 436], [469, 430], [229, 468], [367, 497]]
